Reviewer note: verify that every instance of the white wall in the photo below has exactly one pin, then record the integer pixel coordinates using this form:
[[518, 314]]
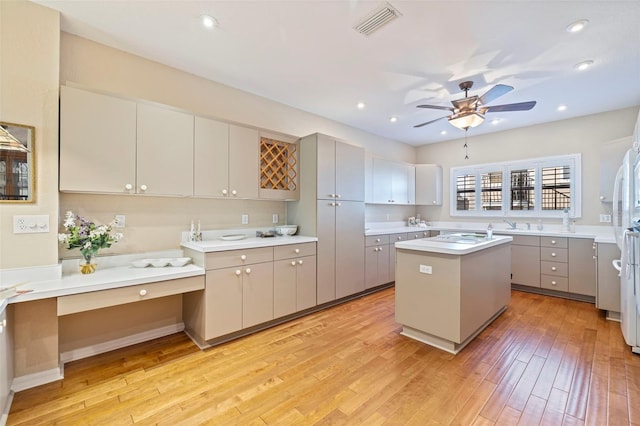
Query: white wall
[[29, 64], [583, 135]]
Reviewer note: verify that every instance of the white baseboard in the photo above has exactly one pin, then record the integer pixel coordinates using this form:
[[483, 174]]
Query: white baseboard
[[4, 415], [36, 379], [122, 342]]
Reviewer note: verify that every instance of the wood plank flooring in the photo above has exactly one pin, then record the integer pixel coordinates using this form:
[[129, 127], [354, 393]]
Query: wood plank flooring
[[545, 360]]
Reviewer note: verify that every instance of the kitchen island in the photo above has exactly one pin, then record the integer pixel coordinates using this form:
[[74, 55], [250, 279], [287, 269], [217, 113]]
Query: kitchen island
[[449, 288]]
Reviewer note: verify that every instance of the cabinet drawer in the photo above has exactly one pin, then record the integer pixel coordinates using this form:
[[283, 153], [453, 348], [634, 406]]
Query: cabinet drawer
[[553, 254], [119, 296], [554, 283], [525, 240], [374, 240], [554, 268], [227, 259], [417, 235], [294, 250], [553, 242], [394, 238]]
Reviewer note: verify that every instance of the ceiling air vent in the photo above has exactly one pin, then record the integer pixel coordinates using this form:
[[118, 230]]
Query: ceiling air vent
[[376, 19]]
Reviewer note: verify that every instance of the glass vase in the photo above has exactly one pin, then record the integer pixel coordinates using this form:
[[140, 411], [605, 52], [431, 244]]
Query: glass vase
[[86, 267]]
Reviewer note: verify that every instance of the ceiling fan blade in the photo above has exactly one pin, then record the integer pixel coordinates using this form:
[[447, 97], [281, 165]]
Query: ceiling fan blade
[[429, 122], [436, 107], [522, 106], [494, 93]]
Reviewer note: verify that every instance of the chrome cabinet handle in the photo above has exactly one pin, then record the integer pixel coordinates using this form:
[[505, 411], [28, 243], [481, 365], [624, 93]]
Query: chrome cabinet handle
[[143, 292], [243, 257]]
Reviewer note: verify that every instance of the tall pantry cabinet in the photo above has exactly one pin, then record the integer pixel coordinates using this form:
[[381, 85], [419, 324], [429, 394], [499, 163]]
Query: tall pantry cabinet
[[331, 207]]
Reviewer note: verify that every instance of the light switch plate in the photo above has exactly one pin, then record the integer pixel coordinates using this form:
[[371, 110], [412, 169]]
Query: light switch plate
[[31, 224], [245, 219], [605, 218], [275, 218], [426, 269]]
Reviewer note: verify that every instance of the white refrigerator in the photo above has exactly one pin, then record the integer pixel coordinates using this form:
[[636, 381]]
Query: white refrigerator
[[626, 216]]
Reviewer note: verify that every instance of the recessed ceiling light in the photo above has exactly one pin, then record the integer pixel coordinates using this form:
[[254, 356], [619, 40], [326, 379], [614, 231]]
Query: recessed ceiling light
[[444, 132], [577, 26], [393, 119], [360, 105], [581, 66], [562, 107], [495, 121], [209, 22]]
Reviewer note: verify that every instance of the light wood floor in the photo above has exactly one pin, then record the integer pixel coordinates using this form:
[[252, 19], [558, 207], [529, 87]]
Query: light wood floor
[[544, 361]]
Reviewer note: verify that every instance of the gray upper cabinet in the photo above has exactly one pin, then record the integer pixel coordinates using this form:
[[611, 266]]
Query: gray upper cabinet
[[393, 182], [164, 151], [340, 170], [211, 158], [97, 142], [428, 184]]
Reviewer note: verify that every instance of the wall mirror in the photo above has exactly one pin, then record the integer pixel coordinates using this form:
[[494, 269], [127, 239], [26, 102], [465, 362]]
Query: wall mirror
[[17, 163]]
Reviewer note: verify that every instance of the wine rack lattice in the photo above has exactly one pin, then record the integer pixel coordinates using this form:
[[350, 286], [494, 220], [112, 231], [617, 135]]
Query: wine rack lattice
[[278, 165]]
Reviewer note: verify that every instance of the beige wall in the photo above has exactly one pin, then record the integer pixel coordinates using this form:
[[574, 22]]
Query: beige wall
[[29, 72], [154, 223], [583, 135]]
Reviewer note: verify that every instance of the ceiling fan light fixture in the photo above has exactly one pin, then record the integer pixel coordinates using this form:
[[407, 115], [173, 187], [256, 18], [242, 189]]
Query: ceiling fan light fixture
[[466, 120], [577, 26], [581, 66]]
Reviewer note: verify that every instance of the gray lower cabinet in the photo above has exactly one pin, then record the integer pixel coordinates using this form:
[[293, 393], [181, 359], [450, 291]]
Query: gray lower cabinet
[[582, 266], [294, 278], [6, 359], [525, 260], [608, 291], [249, 287], [376, 260]]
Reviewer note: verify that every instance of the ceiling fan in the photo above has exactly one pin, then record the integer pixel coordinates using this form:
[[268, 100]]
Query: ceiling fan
[[469, 111]]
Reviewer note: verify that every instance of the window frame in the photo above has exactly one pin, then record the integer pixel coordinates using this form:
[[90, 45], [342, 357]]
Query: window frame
[[573, 161]]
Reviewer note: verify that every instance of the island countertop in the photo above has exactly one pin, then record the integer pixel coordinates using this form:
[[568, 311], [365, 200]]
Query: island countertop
[[438, 245]]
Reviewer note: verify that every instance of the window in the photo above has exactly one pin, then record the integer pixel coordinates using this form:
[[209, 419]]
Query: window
[[541, 187]]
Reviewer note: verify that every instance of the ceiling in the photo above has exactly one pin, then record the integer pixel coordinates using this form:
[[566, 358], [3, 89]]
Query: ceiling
[[306, 54]]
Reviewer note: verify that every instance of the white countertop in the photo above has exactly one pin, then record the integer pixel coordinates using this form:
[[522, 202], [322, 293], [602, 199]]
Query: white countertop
[[601, 234], [433, 245], [254, 242], [103, 279]]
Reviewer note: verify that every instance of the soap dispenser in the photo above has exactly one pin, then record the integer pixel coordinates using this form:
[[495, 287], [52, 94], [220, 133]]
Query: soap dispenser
[[490, 231]]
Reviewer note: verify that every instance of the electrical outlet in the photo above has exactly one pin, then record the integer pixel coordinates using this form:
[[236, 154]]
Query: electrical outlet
[[245, 219], [120, 221], [275, 218], [31, 224], [426, 269], [605, 218]]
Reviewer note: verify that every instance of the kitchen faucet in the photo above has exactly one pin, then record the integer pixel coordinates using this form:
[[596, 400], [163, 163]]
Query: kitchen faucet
[[512, 225]]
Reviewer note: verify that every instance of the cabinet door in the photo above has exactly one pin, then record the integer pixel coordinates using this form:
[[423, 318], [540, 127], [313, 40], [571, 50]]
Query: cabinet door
[[582, 266], [525, 265], [223, 302], [326, 250], [284, 287], [383, 265], [349, 162], [608, 282], [244, 162], [257, 294], [97, 142], [382, 181], [164, 151], [349, 256], [326, 158], [371, 266], [410, 176], [306, 283], [211, 158], [428, 178]]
